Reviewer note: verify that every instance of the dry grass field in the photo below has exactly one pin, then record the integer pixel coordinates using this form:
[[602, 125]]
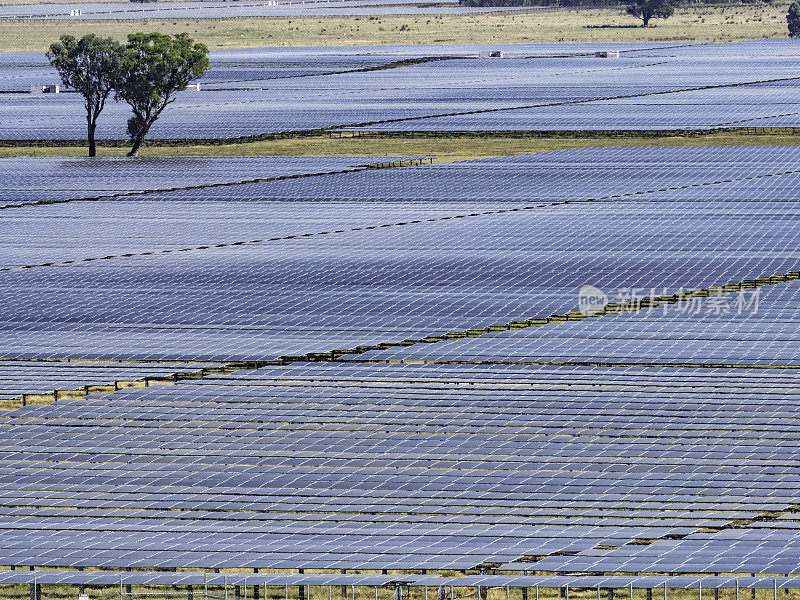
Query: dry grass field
[[707, 23]]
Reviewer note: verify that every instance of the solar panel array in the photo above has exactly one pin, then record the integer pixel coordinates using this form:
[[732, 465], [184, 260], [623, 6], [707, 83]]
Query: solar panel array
[[433, 399], [61, 180], [32, 381], [399, 273], [533, 88]]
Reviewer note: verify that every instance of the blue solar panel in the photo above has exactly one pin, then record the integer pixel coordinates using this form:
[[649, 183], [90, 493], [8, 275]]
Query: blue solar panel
[[530, 88]]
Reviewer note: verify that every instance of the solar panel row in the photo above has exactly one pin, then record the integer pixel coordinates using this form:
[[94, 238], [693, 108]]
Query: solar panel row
[[742, 84]]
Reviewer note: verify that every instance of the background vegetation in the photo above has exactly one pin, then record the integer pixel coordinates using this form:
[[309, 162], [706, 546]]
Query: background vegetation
[[712, 23]]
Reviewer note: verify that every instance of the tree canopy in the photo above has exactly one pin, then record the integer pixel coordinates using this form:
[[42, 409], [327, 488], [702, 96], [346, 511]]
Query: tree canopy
[[793, 19], [154, 67], [649, 9], [90, 66]]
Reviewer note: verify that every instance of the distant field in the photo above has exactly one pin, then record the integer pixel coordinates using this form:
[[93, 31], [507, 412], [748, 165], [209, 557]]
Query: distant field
[[553, 25], [446, 149]]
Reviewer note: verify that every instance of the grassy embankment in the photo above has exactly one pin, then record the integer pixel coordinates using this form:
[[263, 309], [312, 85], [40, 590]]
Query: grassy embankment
[[446, 149]]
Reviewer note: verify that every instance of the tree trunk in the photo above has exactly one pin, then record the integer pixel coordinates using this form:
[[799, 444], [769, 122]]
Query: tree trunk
[[138, 139], [137, 143], [92, 145]]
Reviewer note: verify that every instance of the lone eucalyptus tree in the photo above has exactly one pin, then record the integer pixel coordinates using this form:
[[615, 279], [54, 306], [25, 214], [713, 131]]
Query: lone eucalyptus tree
[[90, 66]]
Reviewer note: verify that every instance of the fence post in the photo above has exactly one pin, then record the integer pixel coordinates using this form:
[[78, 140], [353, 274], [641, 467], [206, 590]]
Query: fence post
[[205, 586], [120, 586]]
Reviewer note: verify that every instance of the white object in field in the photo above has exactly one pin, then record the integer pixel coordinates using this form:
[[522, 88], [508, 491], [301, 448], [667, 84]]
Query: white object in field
[[51, 88], [83, 596], [492, 54], [75, 12], [193, 87], [607, 54]]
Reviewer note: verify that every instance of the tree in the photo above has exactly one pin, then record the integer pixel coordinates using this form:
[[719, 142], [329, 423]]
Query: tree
[[154, 67], [90, 66], [793, 19], [649, 9]]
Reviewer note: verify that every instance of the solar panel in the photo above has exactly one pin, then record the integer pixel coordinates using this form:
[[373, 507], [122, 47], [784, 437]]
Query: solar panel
[[534, 87]]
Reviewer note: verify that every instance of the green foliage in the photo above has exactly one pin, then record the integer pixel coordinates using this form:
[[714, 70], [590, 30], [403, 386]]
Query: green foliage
[[649, 9], [154, 67], [91, 66], [793, 19]]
